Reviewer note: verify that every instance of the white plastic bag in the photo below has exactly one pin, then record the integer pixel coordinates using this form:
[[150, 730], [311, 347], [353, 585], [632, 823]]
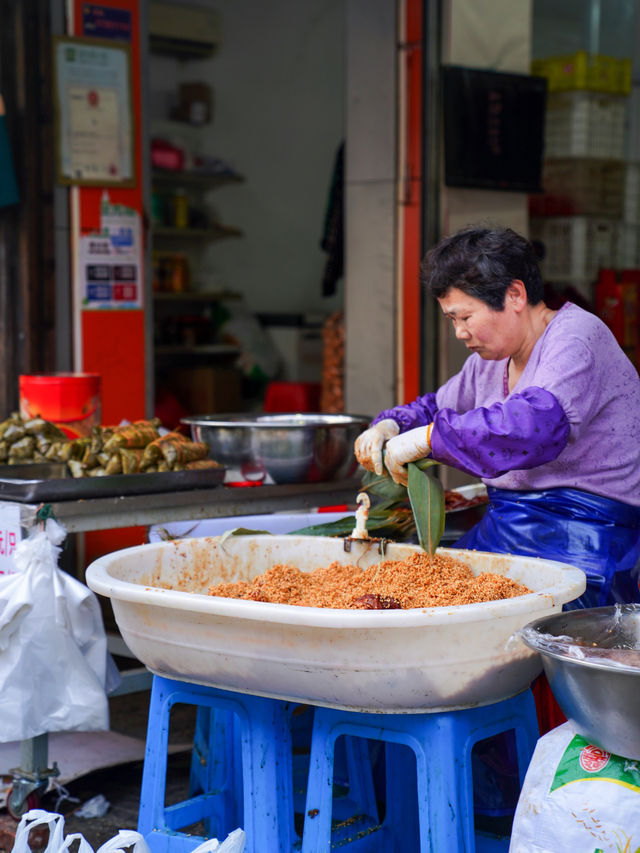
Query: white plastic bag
[[126, 838], [259, 357], [577, 798], [53, 647], [82, 847], [34, 819], [95, 807], [233, 843]]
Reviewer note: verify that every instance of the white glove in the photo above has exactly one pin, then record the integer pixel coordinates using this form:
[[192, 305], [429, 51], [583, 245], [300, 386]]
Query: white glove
[[407, 447], [368, 446]]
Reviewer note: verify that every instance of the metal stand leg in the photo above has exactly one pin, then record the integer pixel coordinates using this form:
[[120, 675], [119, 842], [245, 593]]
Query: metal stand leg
[[31, 778]]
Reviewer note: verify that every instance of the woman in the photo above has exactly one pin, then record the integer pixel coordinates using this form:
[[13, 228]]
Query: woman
[[546, 411]]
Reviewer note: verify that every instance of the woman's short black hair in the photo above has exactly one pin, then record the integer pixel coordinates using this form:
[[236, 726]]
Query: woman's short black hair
[[482, 262]]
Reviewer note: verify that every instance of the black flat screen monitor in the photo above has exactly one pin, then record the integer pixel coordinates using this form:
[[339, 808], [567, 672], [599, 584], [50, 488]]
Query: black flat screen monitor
[[493, 129]]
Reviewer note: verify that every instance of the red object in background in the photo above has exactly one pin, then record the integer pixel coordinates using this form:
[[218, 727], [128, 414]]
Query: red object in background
[[618, 304], [71, 401], [112, 343], [292, 397], [114, 347], [169, 409], [410, 210], [166, 156], [241, 484], [549, 712]]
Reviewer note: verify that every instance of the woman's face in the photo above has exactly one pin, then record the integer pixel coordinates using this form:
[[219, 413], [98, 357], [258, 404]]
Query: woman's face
[[494, 335]]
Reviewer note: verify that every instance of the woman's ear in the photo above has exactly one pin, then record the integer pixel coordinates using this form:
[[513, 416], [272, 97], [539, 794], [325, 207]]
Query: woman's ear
[[516, 295]]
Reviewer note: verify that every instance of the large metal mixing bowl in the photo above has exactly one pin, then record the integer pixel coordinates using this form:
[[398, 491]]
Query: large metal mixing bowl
[[592, 661], [296, 448]]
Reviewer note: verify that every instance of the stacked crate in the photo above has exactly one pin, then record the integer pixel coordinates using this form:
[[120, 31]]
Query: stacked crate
[[580, 217], [629, 240]]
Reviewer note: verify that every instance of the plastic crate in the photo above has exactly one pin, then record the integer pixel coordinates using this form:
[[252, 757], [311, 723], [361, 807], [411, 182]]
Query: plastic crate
[[617, 303], [585, 124], [580, 187], [627, 246], [575, 247], [631, 194], [593, 72]]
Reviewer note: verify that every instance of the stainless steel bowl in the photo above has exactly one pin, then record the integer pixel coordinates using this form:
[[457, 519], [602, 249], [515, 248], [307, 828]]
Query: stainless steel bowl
[[294, 448], [592, 661]]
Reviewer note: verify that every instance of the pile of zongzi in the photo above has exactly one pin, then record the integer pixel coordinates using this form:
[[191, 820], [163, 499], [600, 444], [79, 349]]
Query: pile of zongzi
[[23, 441], [133, 448]]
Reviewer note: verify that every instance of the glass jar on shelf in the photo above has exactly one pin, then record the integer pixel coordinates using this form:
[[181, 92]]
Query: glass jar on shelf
[[180, 209], [171, 272]]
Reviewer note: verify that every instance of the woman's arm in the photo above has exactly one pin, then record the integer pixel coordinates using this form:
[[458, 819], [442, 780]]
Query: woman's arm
[[527, 430], [419, 413]]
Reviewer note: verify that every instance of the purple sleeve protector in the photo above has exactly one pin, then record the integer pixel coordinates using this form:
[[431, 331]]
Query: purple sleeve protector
[[419, 413], [526, 430]]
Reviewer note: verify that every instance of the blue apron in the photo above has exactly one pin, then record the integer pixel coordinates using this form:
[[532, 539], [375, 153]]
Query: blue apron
[[599, 535]]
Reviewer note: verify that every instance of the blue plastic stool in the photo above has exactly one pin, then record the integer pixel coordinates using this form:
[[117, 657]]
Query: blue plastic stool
[[440, 785], [216, 744], [263, 790]]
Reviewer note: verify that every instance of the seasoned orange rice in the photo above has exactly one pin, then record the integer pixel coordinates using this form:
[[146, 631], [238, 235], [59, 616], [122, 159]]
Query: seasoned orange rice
[[420, 580]]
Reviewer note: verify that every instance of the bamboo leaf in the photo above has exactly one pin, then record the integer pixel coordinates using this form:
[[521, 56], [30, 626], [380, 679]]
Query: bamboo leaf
[[241, 531], [248, 531], [427, 502], [425, 463], [383, 487], [341, 527], [392, 524]]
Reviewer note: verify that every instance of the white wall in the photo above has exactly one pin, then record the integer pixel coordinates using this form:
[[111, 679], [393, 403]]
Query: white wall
[[278, 80], [492, 34], [371, 175]]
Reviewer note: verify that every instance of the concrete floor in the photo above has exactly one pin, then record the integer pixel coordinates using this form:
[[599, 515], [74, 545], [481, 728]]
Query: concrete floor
[[120, 785]]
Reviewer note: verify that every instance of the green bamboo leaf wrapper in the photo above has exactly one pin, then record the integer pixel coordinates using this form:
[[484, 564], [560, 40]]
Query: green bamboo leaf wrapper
[[426, 496], [389, 524]]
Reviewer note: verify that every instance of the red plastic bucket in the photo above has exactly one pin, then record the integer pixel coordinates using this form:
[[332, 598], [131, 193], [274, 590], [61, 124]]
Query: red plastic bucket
[[72, 401]]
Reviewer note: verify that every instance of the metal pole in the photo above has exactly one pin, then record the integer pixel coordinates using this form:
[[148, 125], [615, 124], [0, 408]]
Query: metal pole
[[34, 754]]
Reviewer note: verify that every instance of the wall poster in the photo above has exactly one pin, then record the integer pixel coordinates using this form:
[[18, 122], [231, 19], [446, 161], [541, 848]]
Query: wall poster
[[111, 260], [93, 107]]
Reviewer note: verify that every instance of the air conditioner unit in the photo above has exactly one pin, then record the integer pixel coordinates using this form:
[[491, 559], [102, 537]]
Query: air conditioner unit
[[188, 31]]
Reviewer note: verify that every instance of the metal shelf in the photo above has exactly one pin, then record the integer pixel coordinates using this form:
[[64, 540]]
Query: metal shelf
[[203, 349], [215, 232], [220, 501], [193, 296], [194, 179], [180, 49]]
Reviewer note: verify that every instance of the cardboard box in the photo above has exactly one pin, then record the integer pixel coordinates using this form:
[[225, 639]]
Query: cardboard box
[[195, 104], [207, 390]]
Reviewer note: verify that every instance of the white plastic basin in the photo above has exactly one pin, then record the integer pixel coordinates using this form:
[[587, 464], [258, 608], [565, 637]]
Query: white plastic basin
[[365, 660]]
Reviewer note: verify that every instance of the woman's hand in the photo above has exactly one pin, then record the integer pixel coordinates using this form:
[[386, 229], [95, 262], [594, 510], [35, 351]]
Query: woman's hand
[[407, 447], [369, 444]]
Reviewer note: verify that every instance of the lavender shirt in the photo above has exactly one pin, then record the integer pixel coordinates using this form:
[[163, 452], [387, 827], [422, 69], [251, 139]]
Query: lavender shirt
[[572, 420]]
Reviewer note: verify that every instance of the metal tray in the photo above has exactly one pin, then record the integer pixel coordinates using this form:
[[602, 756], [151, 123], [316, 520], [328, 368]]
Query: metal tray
[[37, 482]]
